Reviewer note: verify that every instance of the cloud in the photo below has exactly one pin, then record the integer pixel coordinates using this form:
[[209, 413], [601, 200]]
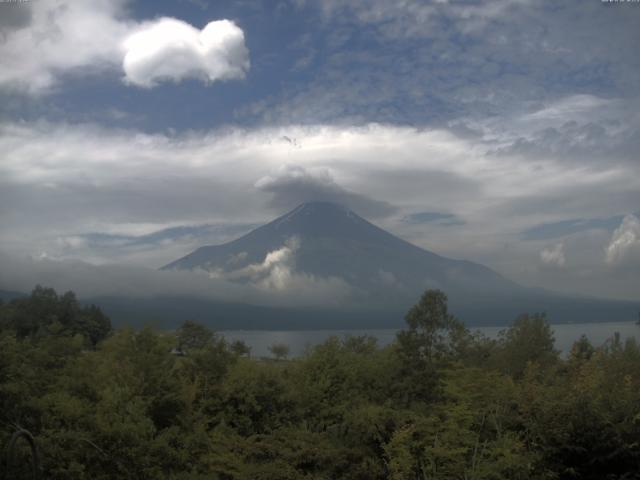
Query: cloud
[[59, 37], [13, 16], [554, 256], [625, 242], [430, 63], [579, 128], [280, 287], [568, 227], [167, 235], [155, 248], [388, 280], [277, 273], [291, 185], [41, 41], [570, 107], [437, 218], [275, 270], [415, 18], [172, 50]]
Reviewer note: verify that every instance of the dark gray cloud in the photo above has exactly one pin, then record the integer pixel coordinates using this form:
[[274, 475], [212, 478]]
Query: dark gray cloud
[[13, 16], [292, 185]]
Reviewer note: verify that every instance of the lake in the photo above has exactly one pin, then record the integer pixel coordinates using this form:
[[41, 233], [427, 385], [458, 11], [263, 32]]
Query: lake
[[299, 340]]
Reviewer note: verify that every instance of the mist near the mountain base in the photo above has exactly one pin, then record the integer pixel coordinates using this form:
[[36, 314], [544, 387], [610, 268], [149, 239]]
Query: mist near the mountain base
[[275, 283]]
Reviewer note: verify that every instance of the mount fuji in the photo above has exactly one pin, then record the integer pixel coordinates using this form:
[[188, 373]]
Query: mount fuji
[[328, 240]]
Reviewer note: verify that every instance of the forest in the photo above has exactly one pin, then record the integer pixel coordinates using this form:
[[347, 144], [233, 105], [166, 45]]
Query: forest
[[440, 402]]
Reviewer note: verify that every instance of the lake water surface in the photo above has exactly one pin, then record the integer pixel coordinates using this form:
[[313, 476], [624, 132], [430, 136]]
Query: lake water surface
[[299, 340]]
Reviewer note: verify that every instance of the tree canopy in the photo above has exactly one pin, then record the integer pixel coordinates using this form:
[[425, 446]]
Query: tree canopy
[[439, 403]]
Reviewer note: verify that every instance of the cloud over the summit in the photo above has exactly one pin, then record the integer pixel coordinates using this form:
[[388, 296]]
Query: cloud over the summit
[[170, 49], [291, 185]]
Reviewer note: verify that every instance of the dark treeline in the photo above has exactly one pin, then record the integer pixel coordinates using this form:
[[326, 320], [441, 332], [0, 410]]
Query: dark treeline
[[439, 403]]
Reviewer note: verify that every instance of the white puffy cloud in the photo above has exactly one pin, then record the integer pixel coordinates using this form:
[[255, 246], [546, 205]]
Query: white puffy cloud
[[275, 270], [277, 273], [51, 38], [554, 255], [625, 242], [170, 49]]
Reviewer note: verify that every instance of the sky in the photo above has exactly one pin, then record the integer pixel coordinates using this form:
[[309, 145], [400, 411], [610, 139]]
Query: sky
[[506, 132]]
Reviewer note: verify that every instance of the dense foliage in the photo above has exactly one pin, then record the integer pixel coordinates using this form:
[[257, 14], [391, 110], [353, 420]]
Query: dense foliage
[[439, 403]]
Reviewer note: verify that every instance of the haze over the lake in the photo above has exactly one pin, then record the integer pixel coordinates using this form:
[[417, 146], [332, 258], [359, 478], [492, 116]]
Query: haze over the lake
[[505, 132]]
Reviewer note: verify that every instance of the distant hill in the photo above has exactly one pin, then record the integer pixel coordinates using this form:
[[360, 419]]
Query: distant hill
[[169, 312], [7, 295]]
